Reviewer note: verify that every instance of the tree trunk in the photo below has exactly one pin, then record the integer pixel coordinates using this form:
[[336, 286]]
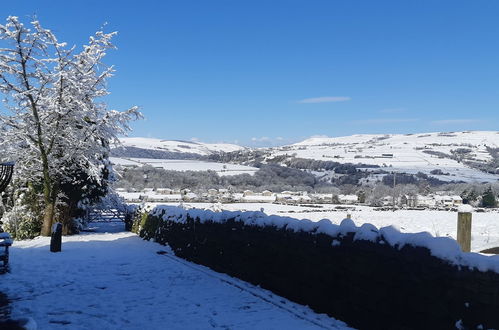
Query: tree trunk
[[48, 218], [66, 218], [50, 194]]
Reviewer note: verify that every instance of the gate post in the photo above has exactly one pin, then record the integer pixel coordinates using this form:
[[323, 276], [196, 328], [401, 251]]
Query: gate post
[[464, 231]]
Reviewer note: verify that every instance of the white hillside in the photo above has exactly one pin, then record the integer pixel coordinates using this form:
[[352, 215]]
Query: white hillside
[[409, 153], [179, 146]]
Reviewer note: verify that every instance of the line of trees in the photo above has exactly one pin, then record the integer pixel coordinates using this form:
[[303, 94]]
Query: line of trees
[[279, 178], [268, 177]]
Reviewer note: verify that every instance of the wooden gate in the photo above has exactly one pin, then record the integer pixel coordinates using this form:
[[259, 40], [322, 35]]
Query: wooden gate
[[106, 215]]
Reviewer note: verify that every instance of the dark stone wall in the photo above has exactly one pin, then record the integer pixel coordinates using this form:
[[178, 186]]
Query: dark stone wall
[[368, 285]]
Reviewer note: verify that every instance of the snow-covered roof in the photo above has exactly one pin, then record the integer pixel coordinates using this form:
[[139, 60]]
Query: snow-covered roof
[[348, 197], [259, 198]]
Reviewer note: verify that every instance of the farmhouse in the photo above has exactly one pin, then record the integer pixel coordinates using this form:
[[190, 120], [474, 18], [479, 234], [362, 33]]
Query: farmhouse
[[190, 197], [348, 199], [164, 191], [258, 198], [425, 201]]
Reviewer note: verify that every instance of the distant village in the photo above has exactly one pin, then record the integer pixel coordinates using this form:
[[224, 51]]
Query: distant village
[[166, 195]]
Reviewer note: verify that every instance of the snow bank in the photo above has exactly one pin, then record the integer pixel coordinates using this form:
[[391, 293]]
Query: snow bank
[[441, 247]]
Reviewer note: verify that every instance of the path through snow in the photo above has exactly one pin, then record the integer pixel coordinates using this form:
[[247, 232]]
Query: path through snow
[[115, 280]]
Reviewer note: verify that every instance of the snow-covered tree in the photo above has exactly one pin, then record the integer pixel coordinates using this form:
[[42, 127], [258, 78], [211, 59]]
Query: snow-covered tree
[[53, 121]]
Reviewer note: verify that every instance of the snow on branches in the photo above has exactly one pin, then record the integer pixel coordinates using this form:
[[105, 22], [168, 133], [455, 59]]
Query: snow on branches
[[53, 121]]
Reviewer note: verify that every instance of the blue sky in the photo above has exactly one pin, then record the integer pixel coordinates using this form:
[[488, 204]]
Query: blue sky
[[273, 72]]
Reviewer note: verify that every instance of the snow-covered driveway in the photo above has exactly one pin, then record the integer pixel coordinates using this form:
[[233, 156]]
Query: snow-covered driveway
[[116, 280]]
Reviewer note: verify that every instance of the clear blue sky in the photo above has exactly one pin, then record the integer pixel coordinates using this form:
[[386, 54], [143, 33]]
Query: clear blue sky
[[268, 72]]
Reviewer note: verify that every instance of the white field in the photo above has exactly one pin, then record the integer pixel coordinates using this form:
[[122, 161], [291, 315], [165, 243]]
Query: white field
[[407, 151], [179, 146], [186, 165], [485, 228]]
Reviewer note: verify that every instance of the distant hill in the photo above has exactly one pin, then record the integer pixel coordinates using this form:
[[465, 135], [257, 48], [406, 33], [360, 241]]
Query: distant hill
[[139, 147], [453, 156], [471, 156]]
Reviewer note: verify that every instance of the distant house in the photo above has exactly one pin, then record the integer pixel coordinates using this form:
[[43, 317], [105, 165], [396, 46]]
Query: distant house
[[291, 193], [237, 197], [131, 197], [348, 199], [258, 199], [248, 193], [444, 200], [302, 199], [387, 201], [322, 198], [284, 198], [164, 191], [212, 192], [164, 198], [425, 201], [267, 193], [457, 200], [190, 197], [226, 198]]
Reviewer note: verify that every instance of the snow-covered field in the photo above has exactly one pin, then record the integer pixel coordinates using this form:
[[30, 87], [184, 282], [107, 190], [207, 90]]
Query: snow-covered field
[[485, 228], [115, 280], [410, 153], [179, 146], [405, 153], [186, 165]]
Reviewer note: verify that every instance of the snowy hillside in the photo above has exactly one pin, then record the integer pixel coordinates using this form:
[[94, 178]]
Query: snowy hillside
[[458, 155], [186, 165], [177, 146]]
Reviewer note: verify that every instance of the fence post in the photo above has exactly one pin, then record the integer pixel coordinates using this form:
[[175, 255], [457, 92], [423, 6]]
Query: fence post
[[349, 216], [464, 230]]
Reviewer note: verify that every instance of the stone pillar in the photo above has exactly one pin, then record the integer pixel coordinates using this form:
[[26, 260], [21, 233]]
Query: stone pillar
[[56, 238]]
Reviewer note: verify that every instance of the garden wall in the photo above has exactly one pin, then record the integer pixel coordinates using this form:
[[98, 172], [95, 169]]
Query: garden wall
[[369, 278]]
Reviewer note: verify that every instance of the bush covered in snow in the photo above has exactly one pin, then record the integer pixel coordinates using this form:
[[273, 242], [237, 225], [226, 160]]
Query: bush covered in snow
[[21, 222]]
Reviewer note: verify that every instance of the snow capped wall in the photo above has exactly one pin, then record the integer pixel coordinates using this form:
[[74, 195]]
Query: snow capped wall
[[442, 247], [368, 277]]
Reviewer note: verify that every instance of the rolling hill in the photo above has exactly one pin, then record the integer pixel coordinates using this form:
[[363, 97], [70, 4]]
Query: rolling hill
[[470, 156]]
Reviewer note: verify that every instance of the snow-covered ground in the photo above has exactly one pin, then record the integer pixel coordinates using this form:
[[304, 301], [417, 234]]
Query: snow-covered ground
[[485, 228], [409, 153], [186, 165], [404, 153], [179, 146], [115, 280]]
